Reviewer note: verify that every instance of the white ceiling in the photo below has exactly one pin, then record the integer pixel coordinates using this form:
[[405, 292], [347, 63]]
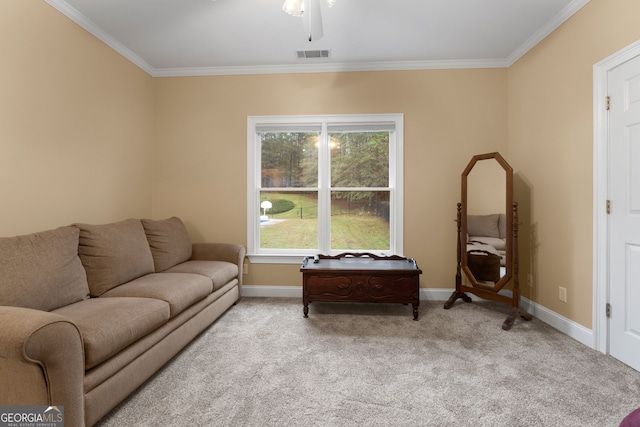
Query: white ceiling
[[201, 37]]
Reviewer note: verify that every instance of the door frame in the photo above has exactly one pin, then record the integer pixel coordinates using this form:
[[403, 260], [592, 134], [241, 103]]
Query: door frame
[[600, 323]]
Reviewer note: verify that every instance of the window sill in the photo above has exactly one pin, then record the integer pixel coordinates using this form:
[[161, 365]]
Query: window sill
[[277, 259]]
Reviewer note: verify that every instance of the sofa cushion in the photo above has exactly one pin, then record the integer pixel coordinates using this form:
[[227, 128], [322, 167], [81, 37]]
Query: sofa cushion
[[483, 225], [169, 242], [108, 325], [42, 270], [178, 290], [502, 225], [220, 272], [113, 254], [499, 244]]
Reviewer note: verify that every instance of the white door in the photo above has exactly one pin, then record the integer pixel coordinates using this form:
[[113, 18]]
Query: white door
[[624, 218]]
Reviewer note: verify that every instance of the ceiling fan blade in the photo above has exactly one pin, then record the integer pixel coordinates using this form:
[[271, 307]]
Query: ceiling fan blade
[[312, 20]]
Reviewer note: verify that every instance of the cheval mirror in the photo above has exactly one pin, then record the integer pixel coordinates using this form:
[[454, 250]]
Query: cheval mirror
[[488, 235]]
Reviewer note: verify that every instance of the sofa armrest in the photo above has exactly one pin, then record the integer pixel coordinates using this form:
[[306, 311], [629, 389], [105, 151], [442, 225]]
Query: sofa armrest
[[41, 362], [228, 252]]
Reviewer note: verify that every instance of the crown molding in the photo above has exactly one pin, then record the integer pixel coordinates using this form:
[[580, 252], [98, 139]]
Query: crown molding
[[543, 32], [330, 67]]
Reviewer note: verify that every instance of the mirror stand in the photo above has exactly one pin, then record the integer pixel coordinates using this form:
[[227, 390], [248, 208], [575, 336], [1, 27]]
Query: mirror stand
[[513, 300], [488, 240]]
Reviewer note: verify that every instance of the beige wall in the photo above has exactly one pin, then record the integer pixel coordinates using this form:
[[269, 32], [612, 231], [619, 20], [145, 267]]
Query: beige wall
[[200, 164], [87, 136], [551, 150], [76, 124]]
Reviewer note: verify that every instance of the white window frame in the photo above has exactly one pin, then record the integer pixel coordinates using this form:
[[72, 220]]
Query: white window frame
[[366, 122]]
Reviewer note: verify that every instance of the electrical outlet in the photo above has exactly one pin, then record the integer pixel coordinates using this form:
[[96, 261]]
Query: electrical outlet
[[530, 280], [562, 294], [245, 268]]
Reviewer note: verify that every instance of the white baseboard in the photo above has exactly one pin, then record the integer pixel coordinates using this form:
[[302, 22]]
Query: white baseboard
[[272, 291], [561, 323]]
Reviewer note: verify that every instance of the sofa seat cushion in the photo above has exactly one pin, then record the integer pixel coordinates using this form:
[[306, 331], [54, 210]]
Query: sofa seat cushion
[[108, 325], [113, 254], [482, 247], [42, 270], [220, 272], [169, 242], [178, 290], [496, 242]]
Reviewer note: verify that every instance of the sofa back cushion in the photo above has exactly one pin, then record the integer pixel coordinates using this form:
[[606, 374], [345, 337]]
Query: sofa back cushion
[[502, 225], [483, 225], [169, 242], [113, 254], [42, 270]]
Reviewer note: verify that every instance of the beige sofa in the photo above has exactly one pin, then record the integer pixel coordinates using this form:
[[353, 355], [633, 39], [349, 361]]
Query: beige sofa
[[89, 312], [488, 233]]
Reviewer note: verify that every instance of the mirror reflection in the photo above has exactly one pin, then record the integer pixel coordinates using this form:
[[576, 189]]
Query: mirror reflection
[[486, 225]]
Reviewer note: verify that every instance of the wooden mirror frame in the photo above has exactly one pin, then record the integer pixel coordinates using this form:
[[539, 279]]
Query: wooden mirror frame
[[483, 289], [510, 261]]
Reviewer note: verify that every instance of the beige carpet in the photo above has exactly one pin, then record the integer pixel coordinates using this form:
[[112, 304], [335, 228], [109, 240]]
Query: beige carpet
[[263, 364]]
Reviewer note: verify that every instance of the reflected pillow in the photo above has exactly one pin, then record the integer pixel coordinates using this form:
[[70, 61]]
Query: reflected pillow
[[483, 225]]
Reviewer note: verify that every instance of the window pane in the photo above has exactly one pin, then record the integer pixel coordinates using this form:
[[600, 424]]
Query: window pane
[[329, 181], [359, 159], [289, 159], [360, 220], [291, 222]]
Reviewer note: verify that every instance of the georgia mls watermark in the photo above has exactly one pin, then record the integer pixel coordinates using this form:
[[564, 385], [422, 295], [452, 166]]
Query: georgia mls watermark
[[31, 416]]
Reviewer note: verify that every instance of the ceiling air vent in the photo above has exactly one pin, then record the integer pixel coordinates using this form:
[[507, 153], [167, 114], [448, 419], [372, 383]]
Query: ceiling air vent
[[312, 54]]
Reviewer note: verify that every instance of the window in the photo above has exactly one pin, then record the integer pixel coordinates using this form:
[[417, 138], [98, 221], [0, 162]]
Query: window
[[324, 184]]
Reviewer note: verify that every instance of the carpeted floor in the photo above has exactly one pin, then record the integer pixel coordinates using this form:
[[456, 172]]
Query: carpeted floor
[[263, 364]]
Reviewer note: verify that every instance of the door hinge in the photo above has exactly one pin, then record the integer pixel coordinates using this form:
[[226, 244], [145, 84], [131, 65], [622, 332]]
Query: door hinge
[[607, 103], [608, 207], [608, 310]]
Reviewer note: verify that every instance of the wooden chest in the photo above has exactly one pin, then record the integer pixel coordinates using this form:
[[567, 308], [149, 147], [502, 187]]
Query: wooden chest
[[360, 278]]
